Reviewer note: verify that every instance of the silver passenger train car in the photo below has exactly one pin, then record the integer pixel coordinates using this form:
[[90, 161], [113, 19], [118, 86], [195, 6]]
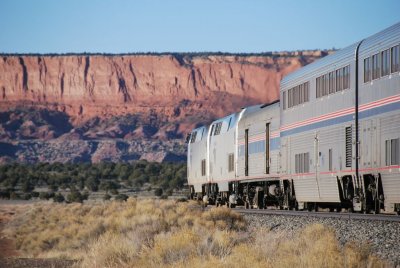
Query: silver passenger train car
[[332, 141]]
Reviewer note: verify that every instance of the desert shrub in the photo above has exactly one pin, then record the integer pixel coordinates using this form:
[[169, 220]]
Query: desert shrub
[[14, 196], [182, 199], [225, 218], [158, 192], [5, 194], [59, 198], [114, 191], [121, 197], [26, 196], [75, 196], [166, 233], [46, 195]]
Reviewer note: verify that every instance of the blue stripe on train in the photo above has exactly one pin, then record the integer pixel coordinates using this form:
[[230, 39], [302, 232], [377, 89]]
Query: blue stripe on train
[[259, 146]]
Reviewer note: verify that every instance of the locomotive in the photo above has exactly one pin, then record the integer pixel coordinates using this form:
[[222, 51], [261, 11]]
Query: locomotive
[[331, 141]]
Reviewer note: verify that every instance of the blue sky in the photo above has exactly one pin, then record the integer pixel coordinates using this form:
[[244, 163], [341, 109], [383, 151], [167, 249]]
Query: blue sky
[[122, 26]]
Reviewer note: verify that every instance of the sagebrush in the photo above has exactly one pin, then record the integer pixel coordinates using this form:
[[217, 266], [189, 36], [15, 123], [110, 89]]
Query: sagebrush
[[164, 233]]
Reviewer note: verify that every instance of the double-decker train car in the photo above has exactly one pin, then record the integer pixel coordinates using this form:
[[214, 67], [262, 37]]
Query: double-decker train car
[[221, 155], [317, 128], [332, 141], [379, 118], [257, 175], [196, 160], [340, 127]]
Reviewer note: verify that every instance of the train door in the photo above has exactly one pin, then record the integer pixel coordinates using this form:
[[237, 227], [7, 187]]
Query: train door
[[246, 152], [317, 162], [267, 152], [368, 153], [283, 168]]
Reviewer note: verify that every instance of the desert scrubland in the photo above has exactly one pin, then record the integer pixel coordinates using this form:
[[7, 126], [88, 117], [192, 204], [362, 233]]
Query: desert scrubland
[[166, 233]]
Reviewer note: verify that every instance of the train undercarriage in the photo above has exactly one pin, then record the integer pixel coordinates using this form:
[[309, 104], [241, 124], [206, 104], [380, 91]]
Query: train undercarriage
[[363, 195]]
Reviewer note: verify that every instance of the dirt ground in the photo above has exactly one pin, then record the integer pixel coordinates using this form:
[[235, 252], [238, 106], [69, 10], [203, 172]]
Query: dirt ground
[[9, 255]]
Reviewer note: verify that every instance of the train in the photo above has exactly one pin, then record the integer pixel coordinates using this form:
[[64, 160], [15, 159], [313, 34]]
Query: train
[[331, 140]]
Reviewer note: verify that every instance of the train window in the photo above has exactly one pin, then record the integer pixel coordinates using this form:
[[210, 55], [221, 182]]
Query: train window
[[229, 124], [392, 152], [346, 77], [367, 70], [193, 139], [302, 163], [385, 62], [306, 162], [395, 57], [376, 71], [326, 85], [230, 162], [284, 100], [349, 146], [188, 137], [339, 81], [330, 159], [331, 82], [301, 93], [322, 87], [306, 92], [218, 127], [298, 95], [203, 167]]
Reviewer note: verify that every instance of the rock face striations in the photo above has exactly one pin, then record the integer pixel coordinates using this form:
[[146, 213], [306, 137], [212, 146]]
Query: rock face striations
[[124, 107]]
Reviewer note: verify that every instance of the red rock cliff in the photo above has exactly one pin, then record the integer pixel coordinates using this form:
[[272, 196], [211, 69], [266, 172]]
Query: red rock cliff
[[85, 86], [120, 108]]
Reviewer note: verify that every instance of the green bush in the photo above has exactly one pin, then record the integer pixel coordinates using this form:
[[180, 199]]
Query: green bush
[[121, 197], [58, 198], [79, 176], [14, 196], [158, 192], [114, 191], [75, 196]]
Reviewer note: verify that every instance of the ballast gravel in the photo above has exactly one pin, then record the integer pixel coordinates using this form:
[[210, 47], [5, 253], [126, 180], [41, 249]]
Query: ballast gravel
[[382, 236]]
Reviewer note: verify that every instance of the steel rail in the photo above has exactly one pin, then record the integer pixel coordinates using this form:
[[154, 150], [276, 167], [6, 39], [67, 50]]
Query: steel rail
[[337, 215]]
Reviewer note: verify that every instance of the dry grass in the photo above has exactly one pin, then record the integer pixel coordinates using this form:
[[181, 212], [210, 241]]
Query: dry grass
[[159, 233]]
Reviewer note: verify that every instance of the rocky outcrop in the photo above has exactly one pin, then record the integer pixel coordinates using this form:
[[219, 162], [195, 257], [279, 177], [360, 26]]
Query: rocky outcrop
[[161, 97]]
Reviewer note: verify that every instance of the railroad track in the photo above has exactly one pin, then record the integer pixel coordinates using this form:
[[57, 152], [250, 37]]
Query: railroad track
[[338, 215]]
